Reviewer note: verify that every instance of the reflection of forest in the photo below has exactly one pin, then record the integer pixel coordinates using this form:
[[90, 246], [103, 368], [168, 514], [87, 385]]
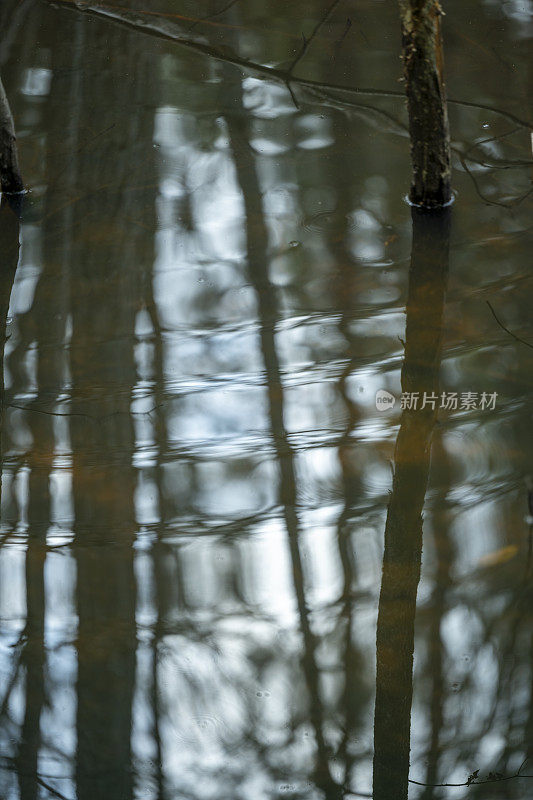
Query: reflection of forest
[[210, 289]]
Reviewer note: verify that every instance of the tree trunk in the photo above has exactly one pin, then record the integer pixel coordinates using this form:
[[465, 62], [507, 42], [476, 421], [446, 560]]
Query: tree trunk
[[10, 178], [426, 102]]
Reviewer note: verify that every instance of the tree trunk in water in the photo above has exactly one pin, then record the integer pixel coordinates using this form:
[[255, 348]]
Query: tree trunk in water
[[10, 178], [426, 102]]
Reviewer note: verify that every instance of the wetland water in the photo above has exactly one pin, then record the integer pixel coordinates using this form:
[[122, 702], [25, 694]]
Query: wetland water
[[224, 571]]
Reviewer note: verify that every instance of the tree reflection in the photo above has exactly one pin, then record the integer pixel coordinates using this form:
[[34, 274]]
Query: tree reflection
[[193, 480], [403, 532], [9, 248], [105, 296], [444, 558], [268, 313], [40, 462]]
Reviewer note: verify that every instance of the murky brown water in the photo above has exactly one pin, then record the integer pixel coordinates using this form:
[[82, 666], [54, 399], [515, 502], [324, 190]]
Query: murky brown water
[[217, 555]]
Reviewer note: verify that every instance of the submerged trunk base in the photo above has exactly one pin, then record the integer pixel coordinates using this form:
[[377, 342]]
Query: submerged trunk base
[[10, 177]]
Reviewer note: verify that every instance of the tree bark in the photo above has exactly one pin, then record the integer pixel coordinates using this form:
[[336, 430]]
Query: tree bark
[[426, 102], [10, 177]]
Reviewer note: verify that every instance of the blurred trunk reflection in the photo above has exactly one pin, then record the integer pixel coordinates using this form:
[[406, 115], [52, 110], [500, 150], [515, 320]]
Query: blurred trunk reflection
[[403, 532], [268, 312], [9, 253], [444, 557], [49, 370], [345, 279], [33, 653], [106, 262]]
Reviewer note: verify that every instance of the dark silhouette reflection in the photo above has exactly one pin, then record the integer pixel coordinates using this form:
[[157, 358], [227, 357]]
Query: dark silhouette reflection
[[104, 479], [403, 532], [103, 486], [444, 558], [345, 288], [40, 462], [32, 654], [268, 313], [159, 549], [9, 253], [99, 259]]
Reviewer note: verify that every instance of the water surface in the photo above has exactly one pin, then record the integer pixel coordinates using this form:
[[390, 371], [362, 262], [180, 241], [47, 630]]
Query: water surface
[[217, 555]]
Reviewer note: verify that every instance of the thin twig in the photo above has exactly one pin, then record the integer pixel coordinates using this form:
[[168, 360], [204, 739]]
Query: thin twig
[[12, 683], [512, 204], [214, 14], [476, 782], [50, 789], [343, 37], [10, 764], [490, 139], [83, 416], [517, 338], [293, 96], [307, 41]]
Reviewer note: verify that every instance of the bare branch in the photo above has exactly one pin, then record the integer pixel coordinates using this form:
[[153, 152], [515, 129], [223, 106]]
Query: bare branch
[[307, 41], [162, 28], [517, 338], [214, 14]]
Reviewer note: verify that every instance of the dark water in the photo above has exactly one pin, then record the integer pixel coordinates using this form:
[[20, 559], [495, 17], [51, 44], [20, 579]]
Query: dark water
[[213, 544]]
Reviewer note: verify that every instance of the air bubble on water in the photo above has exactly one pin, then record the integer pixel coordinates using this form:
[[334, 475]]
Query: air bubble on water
[[486, 125]]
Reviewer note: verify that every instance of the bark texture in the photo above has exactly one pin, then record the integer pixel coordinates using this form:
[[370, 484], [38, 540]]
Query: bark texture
[[10, 177], [426, 102]]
